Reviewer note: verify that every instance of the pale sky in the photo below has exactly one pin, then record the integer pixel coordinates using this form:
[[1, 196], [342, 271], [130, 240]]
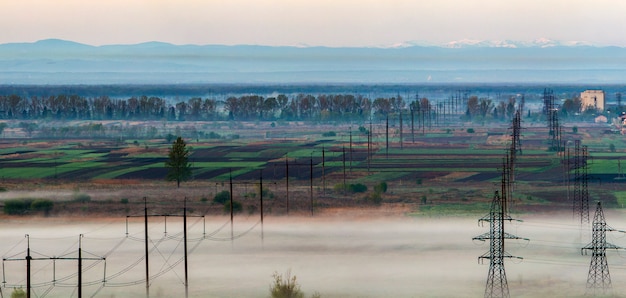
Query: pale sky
[[312, 22]]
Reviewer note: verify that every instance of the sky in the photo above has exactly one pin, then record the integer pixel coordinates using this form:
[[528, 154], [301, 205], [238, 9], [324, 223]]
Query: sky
[[333, 23]]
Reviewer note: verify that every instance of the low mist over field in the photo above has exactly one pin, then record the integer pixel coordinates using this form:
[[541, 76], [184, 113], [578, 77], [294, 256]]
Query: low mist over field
[[337, 256]]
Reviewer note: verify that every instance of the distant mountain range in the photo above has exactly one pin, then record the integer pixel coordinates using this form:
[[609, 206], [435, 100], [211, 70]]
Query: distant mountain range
[[56, 61]]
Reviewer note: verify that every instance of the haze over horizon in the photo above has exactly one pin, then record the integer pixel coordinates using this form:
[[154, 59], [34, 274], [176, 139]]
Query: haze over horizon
[[330, 41], [348, 23]]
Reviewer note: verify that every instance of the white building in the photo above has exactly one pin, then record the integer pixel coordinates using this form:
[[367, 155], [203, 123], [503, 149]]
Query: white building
[[592, 99]]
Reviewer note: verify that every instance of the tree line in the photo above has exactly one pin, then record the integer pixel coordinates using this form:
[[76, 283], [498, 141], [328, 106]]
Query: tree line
[[248, 107], [305, 107]]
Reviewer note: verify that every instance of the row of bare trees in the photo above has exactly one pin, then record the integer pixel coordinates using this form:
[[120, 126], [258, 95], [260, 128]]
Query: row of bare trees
[[248, 107]]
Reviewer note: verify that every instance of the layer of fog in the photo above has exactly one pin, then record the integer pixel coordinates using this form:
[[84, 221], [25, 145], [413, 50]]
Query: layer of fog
[[336, 257]]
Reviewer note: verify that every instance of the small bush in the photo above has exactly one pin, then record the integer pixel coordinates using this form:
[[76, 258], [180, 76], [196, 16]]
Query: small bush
[[237, 207], [81, 198], [575, 129], [418, 181], [470, 130], [285, 287], [329, 134], [374, 198], [17, 206], [222, 197], [42, 205], [204, 199], [381, 187], [18, 293], [339, 187], [358, 187], [3, 189], [612, 147], [124, 200]]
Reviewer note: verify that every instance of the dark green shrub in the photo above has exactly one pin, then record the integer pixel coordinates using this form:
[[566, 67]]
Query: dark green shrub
[[470, 130], [222, 197], [381, 187], [17, 206], [43, 205], [358, 187], [363, 130], [3, 189], [124, 200], [329, 134], [237, 207]]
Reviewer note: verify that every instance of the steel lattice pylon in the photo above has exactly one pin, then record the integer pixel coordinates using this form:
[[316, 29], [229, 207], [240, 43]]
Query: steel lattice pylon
[[581, 178], [552, 116], [497, 285], [599, 279]]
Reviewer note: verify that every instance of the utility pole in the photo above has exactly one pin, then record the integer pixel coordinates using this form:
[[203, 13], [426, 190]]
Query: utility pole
[[585, 190], [230, 179], [387, 137], [287, 182], [371, 143], [344, 168], [145, 214], [599, 279], [184, 216], [324, 172], [401, 137], [185, 246], [311, 190], [412, 123], [369, 133], [28, 259], [80, 267], [350, 149], [261, 201]]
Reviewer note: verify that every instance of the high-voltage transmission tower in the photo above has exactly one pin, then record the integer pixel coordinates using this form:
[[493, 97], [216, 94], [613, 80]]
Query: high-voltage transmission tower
[[497, 285], [581, 179], [599, 279], [516, 127], [516, 147], [551, 112]]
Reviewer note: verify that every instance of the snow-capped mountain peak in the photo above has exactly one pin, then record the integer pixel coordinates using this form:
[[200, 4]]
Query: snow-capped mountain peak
[[540, 43]]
